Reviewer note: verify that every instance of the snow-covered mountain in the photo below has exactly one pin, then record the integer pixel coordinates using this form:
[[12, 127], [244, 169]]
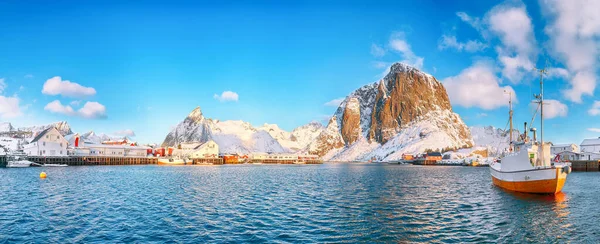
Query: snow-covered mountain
[[92, 137], [6, 127], [408, 111], [62, 126], [496, 140], [231, 136], [298, 139]]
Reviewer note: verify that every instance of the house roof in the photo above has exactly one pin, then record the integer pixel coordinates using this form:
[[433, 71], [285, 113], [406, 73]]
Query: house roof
[[563, 145], [589, 142], [41, 134]]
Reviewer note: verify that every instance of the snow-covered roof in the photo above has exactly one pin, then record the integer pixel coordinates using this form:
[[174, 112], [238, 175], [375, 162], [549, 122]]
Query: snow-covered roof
[[563, 145], [590, 142]]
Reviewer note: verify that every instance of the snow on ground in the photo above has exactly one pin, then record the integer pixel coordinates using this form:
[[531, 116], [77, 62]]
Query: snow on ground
[[8, 143]]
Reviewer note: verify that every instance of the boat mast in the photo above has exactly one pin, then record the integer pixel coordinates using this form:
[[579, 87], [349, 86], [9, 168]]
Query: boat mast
[[510, 114], [541, 102]]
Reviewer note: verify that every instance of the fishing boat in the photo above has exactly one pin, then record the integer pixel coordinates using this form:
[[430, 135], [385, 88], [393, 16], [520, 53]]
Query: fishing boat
[[18, 159], [171, 161], [54, 165], [527, 167]]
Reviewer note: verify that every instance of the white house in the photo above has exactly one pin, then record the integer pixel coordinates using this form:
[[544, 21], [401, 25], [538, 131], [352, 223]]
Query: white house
[[117, 150], [558, 148], [590, 145], [209, 149], [49, 143]]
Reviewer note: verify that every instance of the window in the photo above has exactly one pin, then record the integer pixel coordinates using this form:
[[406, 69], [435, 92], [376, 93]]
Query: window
[[46, 136], [61, 144], [60, 152], [44, 143]]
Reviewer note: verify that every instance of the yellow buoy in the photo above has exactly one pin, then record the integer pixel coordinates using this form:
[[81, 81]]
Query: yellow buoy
[[43, 175]]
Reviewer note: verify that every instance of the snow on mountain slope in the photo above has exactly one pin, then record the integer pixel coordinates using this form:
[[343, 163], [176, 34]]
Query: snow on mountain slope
[[296, 140], [407, 111], [235, 136], [232, 136], [6, 127], [496, 140], [63, 127]]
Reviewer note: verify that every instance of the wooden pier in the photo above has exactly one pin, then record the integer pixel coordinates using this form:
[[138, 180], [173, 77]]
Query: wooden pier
[[3, 161], [585, 165], [93, 160], [425, 162], [213, 161]]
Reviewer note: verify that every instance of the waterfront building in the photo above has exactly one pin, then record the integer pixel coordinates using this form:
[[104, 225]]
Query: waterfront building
[[559, 148], [48, 142], [590, 145]]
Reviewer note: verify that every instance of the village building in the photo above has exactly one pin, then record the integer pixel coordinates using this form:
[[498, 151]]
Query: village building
[[559, 148], [590, 145], [48, 142], [209, 149], [197, 150]]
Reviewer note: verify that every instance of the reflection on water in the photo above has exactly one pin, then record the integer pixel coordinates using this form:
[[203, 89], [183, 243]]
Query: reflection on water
[[288, 203]]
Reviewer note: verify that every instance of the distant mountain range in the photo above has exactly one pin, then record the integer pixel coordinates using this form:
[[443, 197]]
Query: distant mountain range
[[62, 126], [241, 137], [408, 111]]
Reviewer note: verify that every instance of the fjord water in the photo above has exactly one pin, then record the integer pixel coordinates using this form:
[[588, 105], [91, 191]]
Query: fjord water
[[287, 203]]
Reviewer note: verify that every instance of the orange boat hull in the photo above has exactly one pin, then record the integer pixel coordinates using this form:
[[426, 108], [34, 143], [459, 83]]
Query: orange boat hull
[[549, 186]]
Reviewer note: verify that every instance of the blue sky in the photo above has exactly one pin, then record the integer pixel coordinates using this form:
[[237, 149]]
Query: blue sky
[[150, 64]]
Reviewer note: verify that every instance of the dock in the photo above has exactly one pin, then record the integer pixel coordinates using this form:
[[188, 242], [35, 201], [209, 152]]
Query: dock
[[3, 161], [585, 165]]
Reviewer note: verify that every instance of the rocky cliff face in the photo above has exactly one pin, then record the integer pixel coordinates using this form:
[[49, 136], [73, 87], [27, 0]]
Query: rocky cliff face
[[372, 118]]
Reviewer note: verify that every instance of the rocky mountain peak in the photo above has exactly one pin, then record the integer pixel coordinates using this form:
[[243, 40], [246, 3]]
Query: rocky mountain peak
[[195, 115], [406, 98]]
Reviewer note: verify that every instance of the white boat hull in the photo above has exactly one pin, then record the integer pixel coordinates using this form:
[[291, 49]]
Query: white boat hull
[[18, 164]]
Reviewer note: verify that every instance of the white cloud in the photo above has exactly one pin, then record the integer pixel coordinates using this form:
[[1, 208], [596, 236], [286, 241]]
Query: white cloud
[[472, 21], [65, 88], [91, 110], [558, 73], [57, 107], [595, 110], [335, 102], [28, 76], [481, 115], [574, 33], [377, 50], [553, 109], [380, 64], [127, 132], [2, 85], [9, 107], [594, 129], [514, 27], [227, 96], [448, 42], [399, 44], [478, 86], [75, 103]]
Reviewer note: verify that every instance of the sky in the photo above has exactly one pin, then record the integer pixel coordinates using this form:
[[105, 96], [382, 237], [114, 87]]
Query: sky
[[140, 68]]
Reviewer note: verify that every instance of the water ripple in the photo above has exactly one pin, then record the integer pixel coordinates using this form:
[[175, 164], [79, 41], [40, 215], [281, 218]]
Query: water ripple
[[344, 203]]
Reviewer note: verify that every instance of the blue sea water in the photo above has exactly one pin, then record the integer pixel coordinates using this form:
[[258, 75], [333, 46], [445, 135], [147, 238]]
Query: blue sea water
[[288, 203]]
